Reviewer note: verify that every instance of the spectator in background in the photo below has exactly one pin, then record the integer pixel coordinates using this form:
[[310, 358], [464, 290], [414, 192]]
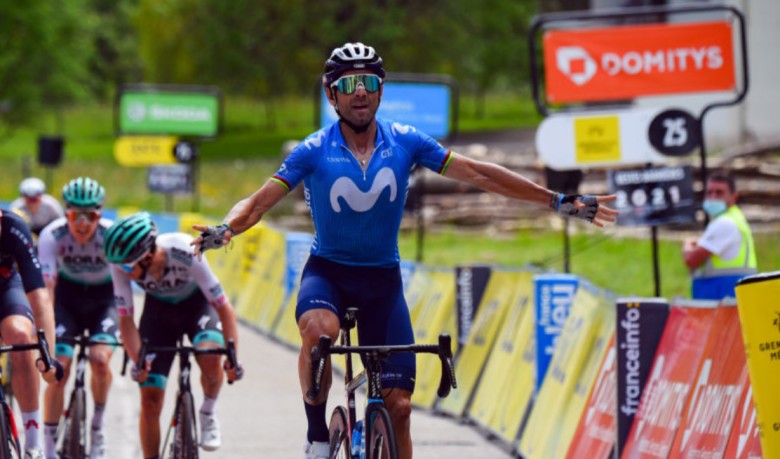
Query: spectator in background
[[36, 207], [725, 252]]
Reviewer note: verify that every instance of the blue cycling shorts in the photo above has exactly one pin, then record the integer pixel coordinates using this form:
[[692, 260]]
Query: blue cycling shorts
[[382, 314]]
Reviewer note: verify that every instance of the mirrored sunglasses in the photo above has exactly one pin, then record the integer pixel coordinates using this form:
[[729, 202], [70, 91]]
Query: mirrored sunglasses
[[348, 84], [75, 215], [130, 266]]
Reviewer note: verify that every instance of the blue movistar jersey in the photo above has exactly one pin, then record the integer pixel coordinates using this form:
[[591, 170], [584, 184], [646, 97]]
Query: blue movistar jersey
[[356, 213]]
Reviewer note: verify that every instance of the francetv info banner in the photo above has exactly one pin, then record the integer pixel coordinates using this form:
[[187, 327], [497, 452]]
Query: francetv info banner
[[640, 324]]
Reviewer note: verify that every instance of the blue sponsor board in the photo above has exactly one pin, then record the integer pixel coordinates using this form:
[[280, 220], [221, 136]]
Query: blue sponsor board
[[423, 105], [298, 247], [407, 271], [470, 285], [640, 324], [553, 296]]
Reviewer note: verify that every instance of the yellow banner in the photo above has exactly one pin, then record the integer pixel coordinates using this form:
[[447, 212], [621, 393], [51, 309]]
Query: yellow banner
[[758, 303], [286, 329], [500, 399], [264, 264], [435, 315], [573, 366], [141, 151], [471, 359]]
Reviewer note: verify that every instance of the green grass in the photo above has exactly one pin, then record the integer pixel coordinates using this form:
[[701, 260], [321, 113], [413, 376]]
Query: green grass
[[621, 265]]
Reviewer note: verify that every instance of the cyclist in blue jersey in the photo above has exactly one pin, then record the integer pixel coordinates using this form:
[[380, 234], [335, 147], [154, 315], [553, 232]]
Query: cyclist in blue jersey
[[24, 306], [356, 175]]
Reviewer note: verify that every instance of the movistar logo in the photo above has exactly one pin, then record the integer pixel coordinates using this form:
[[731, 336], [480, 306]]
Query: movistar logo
[[314, 140], [358, 200]]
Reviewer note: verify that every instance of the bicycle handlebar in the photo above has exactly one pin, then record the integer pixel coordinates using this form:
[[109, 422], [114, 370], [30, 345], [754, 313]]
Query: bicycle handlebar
[[42, 346], [320, 353], [229, 351]]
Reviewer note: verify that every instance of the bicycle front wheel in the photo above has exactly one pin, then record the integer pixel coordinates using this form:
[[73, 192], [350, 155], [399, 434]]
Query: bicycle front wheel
[[9, 442], [185, 439], [380, 443], [74, 444], [340, 447]]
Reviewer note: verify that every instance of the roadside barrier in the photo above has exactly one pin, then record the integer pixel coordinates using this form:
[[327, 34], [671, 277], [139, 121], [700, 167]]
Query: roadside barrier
[[548, 364]]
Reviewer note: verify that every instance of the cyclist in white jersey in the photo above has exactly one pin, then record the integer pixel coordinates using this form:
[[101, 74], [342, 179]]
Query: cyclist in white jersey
[[182, 297], [355, 174], [79, 279], [35, 206]]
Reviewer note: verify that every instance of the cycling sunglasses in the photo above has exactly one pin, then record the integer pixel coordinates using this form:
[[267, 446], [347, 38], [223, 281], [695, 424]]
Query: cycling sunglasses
[[348, 84], [130, 266], [91, 215]]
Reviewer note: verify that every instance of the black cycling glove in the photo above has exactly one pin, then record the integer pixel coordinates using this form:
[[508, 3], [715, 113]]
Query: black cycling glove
[[214, 237], [564, 205]]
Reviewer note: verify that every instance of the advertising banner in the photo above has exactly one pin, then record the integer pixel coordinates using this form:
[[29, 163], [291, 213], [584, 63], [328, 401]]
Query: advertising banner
[[744, 441], [653, 195], [709, 417], [297, 253], [471, 359], [572, 368], [758, 303], [470, 283], [640, 324], [434, 315], [671, 380], [595, 434], [553, 296], [495, 387], [639, 60], [150, 111]]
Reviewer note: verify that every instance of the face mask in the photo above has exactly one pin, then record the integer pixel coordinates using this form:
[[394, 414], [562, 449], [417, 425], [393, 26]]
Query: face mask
[[714, 207]]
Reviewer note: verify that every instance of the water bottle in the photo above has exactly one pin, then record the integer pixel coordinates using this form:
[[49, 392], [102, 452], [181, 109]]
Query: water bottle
[[358, 441]]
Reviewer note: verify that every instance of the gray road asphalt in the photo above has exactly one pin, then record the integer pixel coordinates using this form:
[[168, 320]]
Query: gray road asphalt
[[262, 415]]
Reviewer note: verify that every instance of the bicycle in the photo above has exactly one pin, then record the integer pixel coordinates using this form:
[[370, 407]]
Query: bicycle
[[9, 434], [74, 419], [184, 444], [347, 434]]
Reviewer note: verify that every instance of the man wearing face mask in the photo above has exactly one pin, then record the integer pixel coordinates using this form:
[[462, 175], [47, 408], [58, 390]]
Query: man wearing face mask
[[725, 252]]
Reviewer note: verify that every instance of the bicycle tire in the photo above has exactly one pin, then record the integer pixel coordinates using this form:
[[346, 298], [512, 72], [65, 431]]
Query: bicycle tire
[[74, 444], [9, 442], [185, 438], [338, 428], [381, 442]]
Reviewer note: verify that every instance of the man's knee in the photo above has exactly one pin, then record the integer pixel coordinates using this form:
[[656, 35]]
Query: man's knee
[[400, 408], [318, 322], [151, 403], [17, 330]]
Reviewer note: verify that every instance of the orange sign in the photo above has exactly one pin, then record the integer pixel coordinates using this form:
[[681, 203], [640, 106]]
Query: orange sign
[[708, 419], [632, 61]]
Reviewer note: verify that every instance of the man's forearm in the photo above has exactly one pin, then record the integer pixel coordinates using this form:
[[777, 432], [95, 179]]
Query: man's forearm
[[43, 314]]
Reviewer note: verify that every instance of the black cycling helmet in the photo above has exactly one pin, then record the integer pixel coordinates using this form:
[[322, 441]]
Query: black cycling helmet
[[83, 192], [352, 56], [130, 238]]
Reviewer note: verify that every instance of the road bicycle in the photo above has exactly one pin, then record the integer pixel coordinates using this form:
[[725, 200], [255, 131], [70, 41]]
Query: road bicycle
[[373, 436], [9, 434], [181, 439], [73, 423]]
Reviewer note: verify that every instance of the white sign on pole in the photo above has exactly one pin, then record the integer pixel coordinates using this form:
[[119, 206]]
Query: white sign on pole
[[597, 139]]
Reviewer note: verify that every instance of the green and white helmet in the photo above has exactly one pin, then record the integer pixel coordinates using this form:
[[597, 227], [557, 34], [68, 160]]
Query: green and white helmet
[[83, 192], [130, 238]]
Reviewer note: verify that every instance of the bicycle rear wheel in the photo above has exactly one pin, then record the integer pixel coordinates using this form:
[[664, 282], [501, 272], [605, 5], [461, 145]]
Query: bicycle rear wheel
[[380, 442], [340, 447], [74, 442], [185, 438], [9, 441]]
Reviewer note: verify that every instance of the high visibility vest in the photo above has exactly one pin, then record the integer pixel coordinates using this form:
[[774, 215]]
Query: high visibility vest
[[718, 277]]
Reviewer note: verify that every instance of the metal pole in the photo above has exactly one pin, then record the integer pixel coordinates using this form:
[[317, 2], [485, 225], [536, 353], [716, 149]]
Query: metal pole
[[656, 270], [566, 247]]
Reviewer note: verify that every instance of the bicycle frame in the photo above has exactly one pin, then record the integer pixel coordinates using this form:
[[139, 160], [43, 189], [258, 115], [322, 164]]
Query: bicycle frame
[[9, 447], [373, 356], [185, 389]]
